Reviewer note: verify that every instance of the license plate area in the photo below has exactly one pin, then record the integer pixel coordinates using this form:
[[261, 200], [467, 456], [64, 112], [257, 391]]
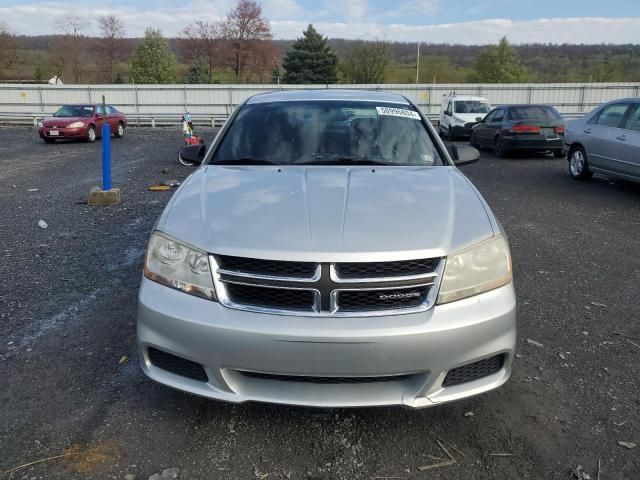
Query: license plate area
[[549, 133], [54, 133]]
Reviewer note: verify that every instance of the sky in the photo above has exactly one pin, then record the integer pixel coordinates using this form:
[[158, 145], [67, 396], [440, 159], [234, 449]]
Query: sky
[[430, 21]]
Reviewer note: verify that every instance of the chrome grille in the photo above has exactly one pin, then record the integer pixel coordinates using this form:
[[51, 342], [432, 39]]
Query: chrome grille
[[358, 300], [267, 297], [326, 289], [403, 268], [272, 268]]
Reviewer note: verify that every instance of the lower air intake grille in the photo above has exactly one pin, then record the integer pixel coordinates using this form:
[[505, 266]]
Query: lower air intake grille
[[177, 365], [279, 298], [324, 380], [363, 300], [473, 371]]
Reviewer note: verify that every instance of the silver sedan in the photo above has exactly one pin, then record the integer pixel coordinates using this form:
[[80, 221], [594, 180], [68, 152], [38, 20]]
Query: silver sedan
[[328, 252], [606, 141]]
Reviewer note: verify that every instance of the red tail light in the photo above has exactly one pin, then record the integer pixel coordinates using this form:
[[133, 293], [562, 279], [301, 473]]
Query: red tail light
[[559, 129], [525, 129]]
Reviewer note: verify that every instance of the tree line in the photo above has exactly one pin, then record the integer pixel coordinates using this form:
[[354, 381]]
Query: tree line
[[240, 49]]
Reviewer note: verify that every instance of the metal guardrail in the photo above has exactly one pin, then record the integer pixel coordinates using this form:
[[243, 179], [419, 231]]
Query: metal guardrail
[[156, 105], [133, 119], [170, 119]]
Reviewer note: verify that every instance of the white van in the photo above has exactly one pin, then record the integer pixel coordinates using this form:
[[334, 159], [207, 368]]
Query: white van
[[458, 113]]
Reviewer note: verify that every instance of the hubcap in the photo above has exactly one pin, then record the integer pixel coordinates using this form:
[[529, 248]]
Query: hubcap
[[120, 130], [577, 162], [92, 134]]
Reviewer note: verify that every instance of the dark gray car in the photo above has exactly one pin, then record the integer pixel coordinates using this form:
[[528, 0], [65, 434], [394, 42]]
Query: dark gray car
[[606, 141]]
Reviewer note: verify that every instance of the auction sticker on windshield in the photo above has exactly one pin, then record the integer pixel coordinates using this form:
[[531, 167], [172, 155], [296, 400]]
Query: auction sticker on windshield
[[398, 112]]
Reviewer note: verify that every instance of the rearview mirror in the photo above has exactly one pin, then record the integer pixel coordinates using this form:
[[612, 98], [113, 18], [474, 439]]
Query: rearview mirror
[[464, 154], [192, 154]]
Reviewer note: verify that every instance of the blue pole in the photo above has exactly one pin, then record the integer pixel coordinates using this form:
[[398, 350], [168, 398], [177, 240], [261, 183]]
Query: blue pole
[[106, 156]]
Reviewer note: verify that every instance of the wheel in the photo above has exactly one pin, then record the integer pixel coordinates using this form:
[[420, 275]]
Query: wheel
[[498, 147], [49, 140], [558, 153], [472, 140], [119, 133], [578, 164], [440, 132], [91, 134]]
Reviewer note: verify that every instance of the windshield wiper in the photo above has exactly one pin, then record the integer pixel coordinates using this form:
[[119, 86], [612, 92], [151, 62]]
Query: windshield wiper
[[342, 160], [244, 161]]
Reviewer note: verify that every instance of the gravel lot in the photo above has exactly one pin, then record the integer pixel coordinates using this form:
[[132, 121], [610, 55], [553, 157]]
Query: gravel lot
[[68, 306]]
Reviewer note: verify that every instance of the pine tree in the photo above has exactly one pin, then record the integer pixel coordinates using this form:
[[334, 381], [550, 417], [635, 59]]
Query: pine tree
[[310, 60], [196, 74], [38, 76], [499, 64], [152, 61]]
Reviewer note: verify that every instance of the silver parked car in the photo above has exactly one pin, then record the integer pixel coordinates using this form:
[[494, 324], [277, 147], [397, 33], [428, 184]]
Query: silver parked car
[[606, 141], [328, 252]]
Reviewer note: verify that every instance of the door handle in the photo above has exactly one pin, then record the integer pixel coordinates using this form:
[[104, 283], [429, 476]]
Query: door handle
[[622, 138], [587, 131]]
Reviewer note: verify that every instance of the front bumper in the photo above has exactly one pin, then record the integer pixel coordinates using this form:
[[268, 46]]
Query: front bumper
[[462, 130], [45, 132], [426, 345]]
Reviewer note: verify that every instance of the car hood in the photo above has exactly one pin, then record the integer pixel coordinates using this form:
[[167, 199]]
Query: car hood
[[325, 213], [61, 121]]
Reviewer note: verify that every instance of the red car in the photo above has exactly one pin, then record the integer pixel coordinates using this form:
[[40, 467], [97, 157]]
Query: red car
[[81, 122]]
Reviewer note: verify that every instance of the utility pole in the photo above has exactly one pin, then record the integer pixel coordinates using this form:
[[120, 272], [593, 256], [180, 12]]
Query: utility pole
[[418, 66]]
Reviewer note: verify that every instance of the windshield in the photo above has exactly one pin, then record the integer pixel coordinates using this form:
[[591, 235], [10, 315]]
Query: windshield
[[471, 106], [533, 114], [74, 111], [325, 132]]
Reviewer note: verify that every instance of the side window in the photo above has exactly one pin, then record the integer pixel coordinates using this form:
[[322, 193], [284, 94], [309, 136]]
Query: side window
[[612, 115], [490, 116], [633, 121], [99, 110], [498, 116], [111, 110], [450, 107]]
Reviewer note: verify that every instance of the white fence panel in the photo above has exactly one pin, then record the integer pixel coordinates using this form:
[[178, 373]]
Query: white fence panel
[[165, 103]]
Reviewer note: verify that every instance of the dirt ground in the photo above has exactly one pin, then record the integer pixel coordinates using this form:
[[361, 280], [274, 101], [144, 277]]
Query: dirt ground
[[71, 386]]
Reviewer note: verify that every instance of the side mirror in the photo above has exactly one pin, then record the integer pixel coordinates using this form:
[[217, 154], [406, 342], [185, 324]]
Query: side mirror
[[464, 154], [192, 154], [447, 113], [479, 119]]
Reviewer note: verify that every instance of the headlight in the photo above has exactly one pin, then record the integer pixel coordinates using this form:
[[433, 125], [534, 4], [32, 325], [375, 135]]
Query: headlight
[[75, 125], [40, 125], [179, 266], [477, 269]]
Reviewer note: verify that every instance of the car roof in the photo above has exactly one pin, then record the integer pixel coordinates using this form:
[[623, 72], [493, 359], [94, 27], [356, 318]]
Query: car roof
[[516, 105], [328, 94]]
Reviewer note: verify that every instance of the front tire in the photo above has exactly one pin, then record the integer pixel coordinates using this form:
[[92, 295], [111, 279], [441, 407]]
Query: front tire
[[91, 134], [578, 164], [119, 133], [499, 149], [472, 140]]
